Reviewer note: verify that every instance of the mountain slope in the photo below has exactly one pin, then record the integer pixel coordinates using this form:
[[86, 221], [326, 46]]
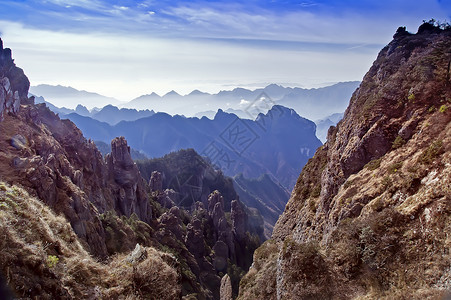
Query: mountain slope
[[42, 258], [268, 197], [370, 213]]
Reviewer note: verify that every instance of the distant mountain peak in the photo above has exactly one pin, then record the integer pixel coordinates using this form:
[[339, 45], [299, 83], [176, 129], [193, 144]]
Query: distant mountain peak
[[197, 93], [171, 94]]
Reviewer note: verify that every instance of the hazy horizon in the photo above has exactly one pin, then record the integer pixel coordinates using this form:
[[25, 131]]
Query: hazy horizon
[[124, 49]]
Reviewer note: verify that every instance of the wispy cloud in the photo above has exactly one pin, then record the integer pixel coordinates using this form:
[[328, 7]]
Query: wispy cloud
[[328, 21]]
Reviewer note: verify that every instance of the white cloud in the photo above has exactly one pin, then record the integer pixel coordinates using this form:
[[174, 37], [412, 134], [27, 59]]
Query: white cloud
[[128, 66], [244, 102]]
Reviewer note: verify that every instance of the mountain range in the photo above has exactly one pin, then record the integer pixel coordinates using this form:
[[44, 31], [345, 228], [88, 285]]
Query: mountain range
[[66, 96], [322, 126], [313, 104]]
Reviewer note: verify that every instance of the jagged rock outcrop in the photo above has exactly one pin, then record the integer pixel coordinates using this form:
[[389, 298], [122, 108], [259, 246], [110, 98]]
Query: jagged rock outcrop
[[43, 259], [224, 247], [368, 215], [195, 241], [137, 255], [131, 195], [18, 81], [13, 84], [156, 181], [167, 198]]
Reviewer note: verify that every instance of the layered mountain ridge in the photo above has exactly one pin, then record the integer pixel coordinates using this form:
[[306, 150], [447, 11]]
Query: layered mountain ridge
[[314, 103], [369, 216], [235, 145]]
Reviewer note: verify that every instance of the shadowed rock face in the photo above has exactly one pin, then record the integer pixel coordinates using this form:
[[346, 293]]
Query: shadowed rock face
[[13, 84], [156, 181], [17, 79], [376, 192], [131, 195]]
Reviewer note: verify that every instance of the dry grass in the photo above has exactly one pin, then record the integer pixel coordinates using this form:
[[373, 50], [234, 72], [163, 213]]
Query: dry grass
[[42, 257]]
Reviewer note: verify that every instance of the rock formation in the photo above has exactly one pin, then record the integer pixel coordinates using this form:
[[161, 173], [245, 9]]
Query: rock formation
[[226, 288], [131, 195], [369, 214], [156, 181], [13, 84]]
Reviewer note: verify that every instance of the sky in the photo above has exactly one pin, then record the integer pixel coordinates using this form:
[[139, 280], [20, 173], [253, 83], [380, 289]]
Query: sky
[[125, 49]]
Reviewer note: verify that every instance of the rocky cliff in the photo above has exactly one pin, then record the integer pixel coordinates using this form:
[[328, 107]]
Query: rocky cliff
[[55, 162], [369, 216], [14, 84]]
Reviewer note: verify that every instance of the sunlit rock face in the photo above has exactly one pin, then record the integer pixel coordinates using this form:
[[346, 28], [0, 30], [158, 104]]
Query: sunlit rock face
[[374, 201]]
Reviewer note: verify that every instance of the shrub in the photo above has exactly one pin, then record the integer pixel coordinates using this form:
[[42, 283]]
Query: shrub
[[398, 142], [52, 261], [374, 164], [386, 181], [395, 167], [368, 245], [443, 108], [316, 191], [432, 152]]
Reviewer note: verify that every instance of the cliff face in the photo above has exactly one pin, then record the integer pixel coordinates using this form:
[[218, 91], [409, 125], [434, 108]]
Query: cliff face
[[370, 211]]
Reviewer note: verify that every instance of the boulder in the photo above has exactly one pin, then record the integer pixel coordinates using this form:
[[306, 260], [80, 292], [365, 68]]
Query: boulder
[[138, 255]]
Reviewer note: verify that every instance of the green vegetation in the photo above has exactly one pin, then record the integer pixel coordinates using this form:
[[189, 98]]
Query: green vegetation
[[395, 167], [443, 108], [398, 142], [432, 152], [312, 205], [411, 97], [316, 191], [374, 164], [386, 182], [52, 261]]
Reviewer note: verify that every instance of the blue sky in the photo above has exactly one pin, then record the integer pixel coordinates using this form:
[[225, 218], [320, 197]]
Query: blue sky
[[128, 48]]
